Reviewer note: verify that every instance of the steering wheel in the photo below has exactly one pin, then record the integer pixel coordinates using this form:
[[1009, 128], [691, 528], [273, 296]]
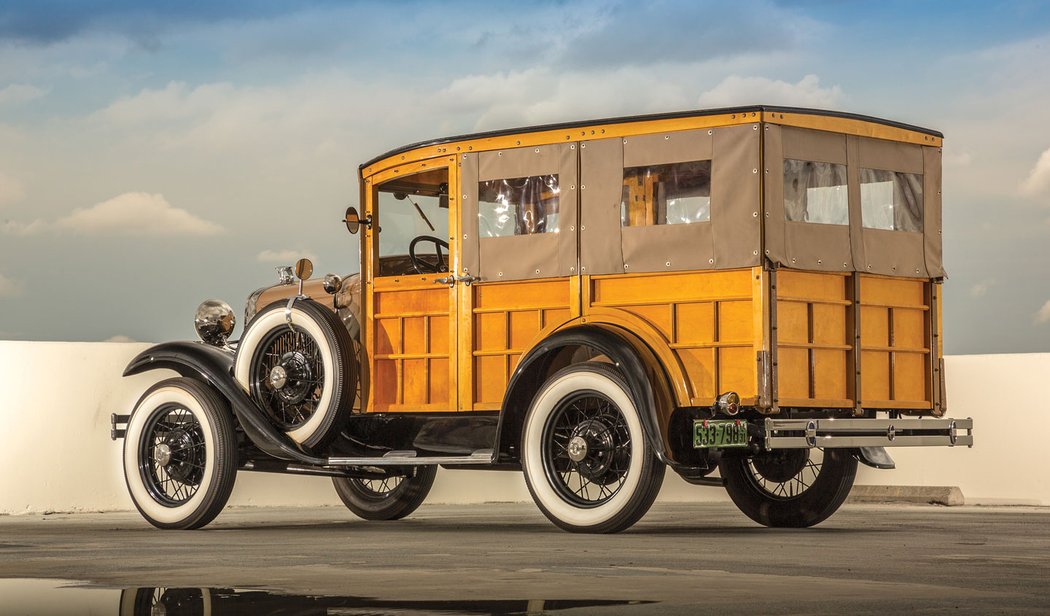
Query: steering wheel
[[423, 266]]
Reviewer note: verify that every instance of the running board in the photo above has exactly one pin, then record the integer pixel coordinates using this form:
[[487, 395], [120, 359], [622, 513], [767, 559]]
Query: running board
[[410, 458], [850, 433]]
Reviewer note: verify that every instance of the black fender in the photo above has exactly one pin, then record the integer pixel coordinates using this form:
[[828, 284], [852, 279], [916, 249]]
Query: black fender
[[215, 367], [611, 341]]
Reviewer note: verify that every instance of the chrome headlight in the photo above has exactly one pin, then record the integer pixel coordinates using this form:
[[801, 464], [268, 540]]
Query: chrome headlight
[[332, 283], [214, 322]]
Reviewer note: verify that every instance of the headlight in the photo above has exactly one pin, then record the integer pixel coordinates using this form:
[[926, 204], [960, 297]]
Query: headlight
[[214, 322]]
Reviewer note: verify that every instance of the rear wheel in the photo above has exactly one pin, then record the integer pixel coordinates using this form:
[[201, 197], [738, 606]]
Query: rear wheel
[[789, 487], [587, 461], [180, 454], [389, 498]]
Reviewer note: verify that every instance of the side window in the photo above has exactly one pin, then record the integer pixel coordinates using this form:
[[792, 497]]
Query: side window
[[672, 194], [410, 207], [518, 206], [815, 192], [891, 200]]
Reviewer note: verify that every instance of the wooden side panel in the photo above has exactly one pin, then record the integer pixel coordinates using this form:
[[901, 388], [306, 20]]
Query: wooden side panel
[[506, 318], [707, 318], [895, 350], [813, 339], [412, 349]]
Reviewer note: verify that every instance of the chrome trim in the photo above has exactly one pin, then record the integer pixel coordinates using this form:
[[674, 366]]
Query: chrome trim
[[285, 275], [409, 458], [214, 322], [850, 433], [252, 305]]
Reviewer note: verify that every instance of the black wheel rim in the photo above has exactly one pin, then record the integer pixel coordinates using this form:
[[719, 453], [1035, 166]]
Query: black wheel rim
[[782, 475], [287, 376], [592, 475], [378, 489], [172, 455]]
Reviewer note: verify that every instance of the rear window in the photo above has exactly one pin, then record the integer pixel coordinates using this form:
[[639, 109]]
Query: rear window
[[518, 206], [815, 192], [891, 200]]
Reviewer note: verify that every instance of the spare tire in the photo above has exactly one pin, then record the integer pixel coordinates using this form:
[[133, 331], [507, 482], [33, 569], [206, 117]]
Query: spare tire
[[298, 365]]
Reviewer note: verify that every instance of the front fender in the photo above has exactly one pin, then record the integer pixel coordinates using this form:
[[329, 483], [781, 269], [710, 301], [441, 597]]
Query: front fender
[[215, 367]]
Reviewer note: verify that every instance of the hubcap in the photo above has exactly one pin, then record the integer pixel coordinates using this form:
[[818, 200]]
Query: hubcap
[[278, 377], [162, 454], [577, 449]]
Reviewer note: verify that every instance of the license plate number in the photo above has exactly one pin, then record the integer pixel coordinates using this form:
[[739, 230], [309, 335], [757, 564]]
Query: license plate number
[[709, 433]]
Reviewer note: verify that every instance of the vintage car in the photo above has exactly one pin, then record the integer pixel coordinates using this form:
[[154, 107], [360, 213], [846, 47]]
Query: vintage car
[[753, 291]]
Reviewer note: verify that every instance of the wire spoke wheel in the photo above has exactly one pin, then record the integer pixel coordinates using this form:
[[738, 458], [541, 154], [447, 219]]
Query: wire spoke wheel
[[587, 449], [786, 473], [172, 455], [789, 487], [386, 498], [287, 376]]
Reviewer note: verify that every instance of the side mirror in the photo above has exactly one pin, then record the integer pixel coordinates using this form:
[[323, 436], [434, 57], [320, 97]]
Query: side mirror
[[353, 220], [304, 268]]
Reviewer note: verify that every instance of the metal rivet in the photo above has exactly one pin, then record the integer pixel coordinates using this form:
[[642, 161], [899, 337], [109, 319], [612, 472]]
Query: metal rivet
[[464, 157], [869, 266], [499, 153], [464, 196], [820, 261], [625, 141], [845, 265], [767, 251], [754, 171], [916, 271], [754, 214], [583, 145], [537, 150], [572, 147], [464, 237], [711, 261], [572, 269], [583, 187], [710, 132], [583, 269], [668, 264], [755, 127], [537, 271], [583, 228], [572, 187], [667, 137], [793, 259], [625, 266], [755, 253], [501, 274]]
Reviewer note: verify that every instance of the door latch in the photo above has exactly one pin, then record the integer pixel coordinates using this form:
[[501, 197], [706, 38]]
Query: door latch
[[468, 279], [450, 280]]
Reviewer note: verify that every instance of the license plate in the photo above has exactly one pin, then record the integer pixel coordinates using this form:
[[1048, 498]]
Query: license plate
[[709, 433]]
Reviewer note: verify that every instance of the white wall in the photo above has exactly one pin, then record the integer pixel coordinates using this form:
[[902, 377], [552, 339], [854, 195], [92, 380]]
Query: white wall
[[55, 452]]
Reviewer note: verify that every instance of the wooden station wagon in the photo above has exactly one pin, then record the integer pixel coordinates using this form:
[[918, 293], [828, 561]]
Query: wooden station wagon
[[753, 291]]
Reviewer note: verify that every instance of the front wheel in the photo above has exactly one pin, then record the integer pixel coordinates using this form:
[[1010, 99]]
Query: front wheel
[[180, 454], [389, 498], [791, 488], [587, 461]]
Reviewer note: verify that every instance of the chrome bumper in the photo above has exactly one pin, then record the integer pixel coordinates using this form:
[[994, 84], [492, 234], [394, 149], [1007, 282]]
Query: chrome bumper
[[840, 433]]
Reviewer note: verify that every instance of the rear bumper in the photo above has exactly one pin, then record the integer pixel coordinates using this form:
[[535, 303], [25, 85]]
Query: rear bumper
[[850, 433]]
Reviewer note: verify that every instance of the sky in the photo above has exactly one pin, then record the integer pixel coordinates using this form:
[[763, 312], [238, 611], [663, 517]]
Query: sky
[[153, 155]]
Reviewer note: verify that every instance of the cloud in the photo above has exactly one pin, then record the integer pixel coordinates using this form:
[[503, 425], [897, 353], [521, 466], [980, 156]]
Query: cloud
[[1043, 315], [11, 190], [285, 256], [136, 213], [737, 90], [956, 158], [1038, 181], [18, 93], [9, 287], [981, 288], [647, 33]]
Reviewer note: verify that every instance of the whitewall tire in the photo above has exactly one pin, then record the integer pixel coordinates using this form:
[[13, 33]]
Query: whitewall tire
[[303, 375], [587, 461], [180, 454]]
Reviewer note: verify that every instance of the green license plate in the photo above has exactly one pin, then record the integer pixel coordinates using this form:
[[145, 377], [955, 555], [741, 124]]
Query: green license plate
[[708, 433]]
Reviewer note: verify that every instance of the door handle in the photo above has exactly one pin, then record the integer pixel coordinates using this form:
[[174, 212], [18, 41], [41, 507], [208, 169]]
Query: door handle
[[450, 280], [468, 279]]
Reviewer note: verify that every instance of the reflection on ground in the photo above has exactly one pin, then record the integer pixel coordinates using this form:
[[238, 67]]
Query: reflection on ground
[[36, 597]]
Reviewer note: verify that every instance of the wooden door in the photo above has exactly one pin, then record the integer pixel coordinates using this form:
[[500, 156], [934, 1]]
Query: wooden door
[[410, 315]]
